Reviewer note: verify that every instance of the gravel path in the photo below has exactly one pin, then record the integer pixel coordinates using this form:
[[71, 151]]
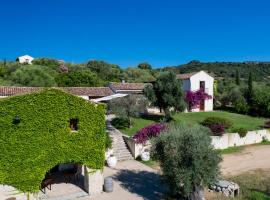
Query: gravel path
[[251, 158]]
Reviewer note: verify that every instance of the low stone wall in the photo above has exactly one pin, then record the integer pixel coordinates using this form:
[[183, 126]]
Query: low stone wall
[[136, 149], [219, 142], [233, 139]]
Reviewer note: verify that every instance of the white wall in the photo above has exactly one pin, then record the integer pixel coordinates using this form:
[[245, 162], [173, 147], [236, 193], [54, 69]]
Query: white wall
[[233, 139], [219, 142], [209, 87]]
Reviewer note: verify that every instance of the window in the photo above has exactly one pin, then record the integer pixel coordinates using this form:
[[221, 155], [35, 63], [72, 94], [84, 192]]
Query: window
[[73, 124]]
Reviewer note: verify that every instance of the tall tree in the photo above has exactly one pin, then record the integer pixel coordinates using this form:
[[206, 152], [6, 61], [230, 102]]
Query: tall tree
[[250, 89], [187, 160], [145, 65], [166, 93], [237, 77]]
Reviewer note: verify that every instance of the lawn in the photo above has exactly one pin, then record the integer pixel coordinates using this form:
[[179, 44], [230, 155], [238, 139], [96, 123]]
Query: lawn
[[244, 121]]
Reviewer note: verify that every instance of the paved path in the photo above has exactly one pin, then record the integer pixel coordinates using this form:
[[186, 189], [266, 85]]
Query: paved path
[[133, 181], [251, 158]]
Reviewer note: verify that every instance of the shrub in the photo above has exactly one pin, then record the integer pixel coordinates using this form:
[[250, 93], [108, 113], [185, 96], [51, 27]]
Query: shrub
[[187, 160], [267, 124], [120, 122], [217, 129], [148, 132], [108, 141], [242, 108], [217, 120], [241, 131]]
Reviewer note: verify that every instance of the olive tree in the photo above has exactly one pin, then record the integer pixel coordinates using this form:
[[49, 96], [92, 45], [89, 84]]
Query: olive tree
[[187, 160], [128, 106], [166, 93]]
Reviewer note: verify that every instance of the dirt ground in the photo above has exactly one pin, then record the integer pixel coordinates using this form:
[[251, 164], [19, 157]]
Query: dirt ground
[[250, 158]]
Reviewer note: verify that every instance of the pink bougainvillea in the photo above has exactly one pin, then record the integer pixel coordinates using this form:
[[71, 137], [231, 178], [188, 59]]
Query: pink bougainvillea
[[148, 132], [193, 98]]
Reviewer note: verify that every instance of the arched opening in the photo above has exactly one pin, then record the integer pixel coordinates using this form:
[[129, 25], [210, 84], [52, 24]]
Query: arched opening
[[64, 179]]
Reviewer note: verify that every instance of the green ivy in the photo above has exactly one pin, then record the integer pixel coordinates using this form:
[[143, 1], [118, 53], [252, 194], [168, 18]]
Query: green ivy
[[42, 139]]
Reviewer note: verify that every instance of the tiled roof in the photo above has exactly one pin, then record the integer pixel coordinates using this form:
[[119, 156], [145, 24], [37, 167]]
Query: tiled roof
[[127, 86], [83, 91], [89, 91], [185, 76]]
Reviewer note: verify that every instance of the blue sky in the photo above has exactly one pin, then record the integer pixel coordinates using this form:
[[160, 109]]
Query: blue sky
[[126, 32]]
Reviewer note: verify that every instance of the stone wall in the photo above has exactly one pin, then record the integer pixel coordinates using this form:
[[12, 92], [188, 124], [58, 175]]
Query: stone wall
[[219, 142], [233, 139]]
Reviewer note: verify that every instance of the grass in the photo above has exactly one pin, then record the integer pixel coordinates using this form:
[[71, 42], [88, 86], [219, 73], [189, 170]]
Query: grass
[[139, 123], [239, 121], [231, 150], [150, 163]]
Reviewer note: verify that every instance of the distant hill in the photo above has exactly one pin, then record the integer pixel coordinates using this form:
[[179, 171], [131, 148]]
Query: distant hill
[[260, 70]]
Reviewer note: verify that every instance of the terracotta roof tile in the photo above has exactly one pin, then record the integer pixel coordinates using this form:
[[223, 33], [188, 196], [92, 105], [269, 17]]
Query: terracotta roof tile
[[83, 91], [127, 86], [185, 76]]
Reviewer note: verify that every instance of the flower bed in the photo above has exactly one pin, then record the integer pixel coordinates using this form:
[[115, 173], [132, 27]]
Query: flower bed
[[148, 132]]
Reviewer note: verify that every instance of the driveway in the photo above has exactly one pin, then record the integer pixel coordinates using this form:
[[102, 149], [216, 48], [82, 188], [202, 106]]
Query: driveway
[[250, 158]]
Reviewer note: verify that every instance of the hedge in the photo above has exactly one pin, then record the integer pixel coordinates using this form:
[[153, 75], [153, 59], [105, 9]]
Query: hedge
[[42, 138]]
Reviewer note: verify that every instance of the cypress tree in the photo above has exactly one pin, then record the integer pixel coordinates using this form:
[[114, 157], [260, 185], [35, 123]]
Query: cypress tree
[[237, 77]]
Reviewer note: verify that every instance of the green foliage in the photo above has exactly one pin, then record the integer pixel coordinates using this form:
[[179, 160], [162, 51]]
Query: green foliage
[[217, 120], [120, 123], [230, 150], [48, 62], [108, 142], [32, 75], [241, 131], [145, 65], [105, 71], [259, 70], [187, 159], [43, 138], [237, 77], [166, 92], [129, 106], [78, 79], [138, 75]]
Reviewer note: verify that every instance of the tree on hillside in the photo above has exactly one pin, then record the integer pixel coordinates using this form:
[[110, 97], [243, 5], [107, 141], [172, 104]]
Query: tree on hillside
[[187, 160], [237, 77], [129, 106], [105, 71], [78, 79], [32, 75], [250, 89], [138, 75], [145, 66], [166, 93], [48, 62]]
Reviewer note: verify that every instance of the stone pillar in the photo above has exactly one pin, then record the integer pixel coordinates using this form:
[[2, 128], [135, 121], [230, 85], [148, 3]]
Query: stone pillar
[[93, 181]]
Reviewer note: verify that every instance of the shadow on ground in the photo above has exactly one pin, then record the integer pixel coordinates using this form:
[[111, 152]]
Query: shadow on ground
[[145, 184]]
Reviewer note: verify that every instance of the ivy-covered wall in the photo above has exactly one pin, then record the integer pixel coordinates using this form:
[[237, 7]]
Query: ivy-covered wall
[[43, 138]]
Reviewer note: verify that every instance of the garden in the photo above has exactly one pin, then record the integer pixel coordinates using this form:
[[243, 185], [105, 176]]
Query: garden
[[238, 121]]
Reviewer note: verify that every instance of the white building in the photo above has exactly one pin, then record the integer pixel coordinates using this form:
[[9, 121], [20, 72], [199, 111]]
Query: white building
[[196, 81], [26, 59]]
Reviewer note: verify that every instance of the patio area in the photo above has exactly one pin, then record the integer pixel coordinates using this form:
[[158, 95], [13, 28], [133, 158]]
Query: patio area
[[132, 180]]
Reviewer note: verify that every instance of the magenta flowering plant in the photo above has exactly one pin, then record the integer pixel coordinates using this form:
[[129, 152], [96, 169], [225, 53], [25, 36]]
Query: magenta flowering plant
[[152, 130], [193, 98], [217, 129]]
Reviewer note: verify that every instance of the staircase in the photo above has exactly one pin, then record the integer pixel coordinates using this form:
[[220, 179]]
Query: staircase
[[120, 149]]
